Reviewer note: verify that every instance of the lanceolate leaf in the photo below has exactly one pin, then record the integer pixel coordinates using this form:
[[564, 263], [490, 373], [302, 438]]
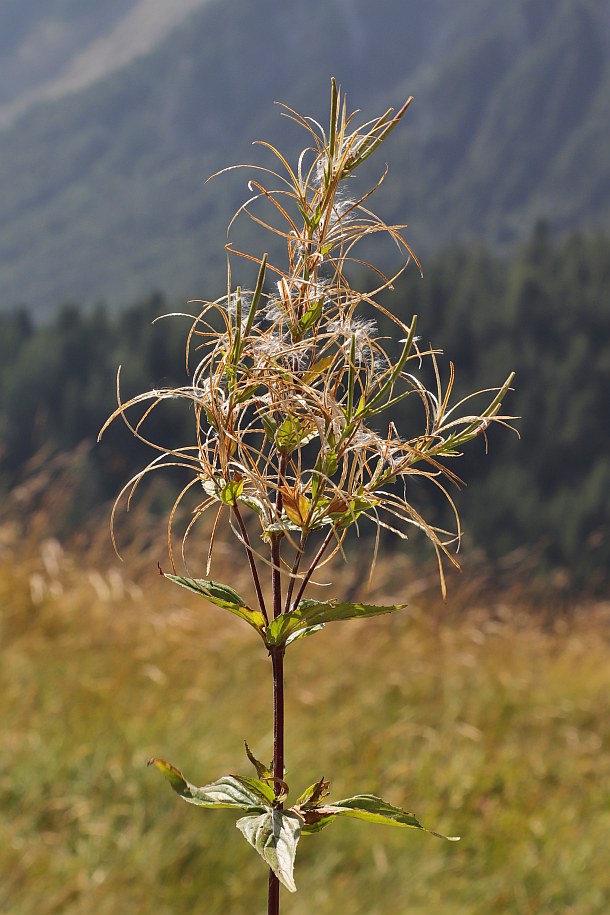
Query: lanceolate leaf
[[375, 810], [280, 629], [256, 297], [214, 591], [223, 596], [275, 836], [315, 613], [231, 491], [303, 633], [263, 789], [315, 821], [289, 434], [311, 316], [229, 791], [263, 771], [318, 367]]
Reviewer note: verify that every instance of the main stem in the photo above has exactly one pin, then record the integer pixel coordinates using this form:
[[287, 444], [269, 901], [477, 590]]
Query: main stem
[[277, 660], [277, 666]]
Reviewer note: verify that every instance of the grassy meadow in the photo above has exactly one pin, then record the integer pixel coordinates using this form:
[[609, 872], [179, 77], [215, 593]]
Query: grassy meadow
[[480, 715]]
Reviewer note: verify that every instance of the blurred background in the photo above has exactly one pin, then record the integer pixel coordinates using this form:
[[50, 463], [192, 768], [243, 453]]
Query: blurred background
[[112, 116]]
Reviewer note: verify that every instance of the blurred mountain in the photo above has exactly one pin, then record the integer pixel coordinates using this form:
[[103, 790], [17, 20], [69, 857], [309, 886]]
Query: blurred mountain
[[49, 48], [112, 115]]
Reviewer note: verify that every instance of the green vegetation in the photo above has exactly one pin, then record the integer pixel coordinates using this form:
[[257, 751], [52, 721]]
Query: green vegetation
[[545, 314], [493, 723]]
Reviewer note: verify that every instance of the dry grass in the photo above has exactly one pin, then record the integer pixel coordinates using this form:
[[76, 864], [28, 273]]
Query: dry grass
[[483, 719]]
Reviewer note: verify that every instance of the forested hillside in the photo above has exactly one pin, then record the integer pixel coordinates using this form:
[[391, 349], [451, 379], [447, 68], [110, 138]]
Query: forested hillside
[[544, 314], [101, 191]]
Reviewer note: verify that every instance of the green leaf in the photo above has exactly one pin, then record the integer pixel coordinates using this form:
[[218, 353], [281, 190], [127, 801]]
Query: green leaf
[[223, 596], [388, 385], [330, 463], [262, 770], [279, 527], [269, 425], [318, 368], [289, 434], [254, 503], [303, 633], [214, 591], [246, 393], [310, 316], [256, 297], [262, 788], [280, 629], [230, 492], [310, 221], [275, 836], [375, 810], [326, 466], [351, 378], [315, 613], [228, 791], [315, 821], [334, 103]]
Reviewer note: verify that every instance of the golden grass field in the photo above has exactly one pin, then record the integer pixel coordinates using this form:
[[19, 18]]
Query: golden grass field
[[481, 715]]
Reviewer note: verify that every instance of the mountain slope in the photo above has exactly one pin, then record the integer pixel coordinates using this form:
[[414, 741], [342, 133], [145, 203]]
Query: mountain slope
[[51, 49], [102, 191], [511, 119]]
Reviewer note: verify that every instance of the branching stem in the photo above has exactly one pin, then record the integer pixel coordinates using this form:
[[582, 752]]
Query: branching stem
[[294, 570], [252, 563], [314, 563]]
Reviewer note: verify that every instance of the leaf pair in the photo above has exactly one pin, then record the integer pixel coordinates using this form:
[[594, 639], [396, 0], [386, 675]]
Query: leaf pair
[[274, 833], [308, 617]]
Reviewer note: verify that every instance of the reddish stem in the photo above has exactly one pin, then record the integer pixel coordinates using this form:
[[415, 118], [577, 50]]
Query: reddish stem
[[314, 562], [277, 662], [251, 561]]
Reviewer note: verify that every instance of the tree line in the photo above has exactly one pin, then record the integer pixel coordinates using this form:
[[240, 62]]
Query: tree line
[[544, 313]]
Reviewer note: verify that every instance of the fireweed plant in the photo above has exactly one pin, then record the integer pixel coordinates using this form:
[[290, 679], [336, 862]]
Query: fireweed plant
[[288, 393]]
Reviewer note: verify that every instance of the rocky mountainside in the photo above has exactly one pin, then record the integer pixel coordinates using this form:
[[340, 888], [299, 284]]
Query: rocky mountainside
[[112, 115]]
